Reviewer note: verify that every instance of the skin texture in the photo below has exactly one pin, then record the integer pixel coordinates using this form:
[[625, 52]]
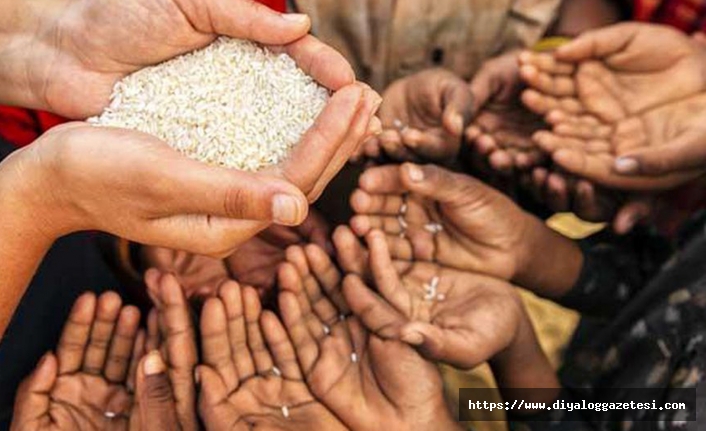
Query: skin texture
[[617, 108], [423, 118], [170, 330], [255, 263], [65, 56], [373, 392], [482, 231], [239, 390], [99, 364], [502, 127]]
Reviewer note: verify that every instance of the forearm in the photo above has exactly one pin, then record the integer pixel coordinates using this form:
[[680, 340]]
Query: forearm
[[523, 368], [549, 263], [22, 247]]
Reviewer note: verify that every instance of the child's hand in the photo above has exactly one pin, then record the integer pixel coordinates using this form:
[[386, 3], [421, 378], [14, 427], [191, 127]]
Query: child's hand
[[250, 377], [625, 113], [503, 127], [423, 118], [433, 215], [85, 385], [170, 329], [451, 316], [368, 382]]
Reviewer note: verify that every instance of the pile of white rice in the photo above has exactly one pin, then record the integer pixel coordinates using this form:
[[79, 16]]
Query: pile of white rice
[[232, 104]]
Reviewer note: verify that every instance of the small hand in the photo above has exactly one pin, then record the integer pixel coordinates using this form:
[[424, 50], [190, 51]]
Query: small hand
[[431, 214], [171, 330], [423, 117], [451, 316], [622, 116], [368, 382], [85, 385], [250, 377], [502, 127]]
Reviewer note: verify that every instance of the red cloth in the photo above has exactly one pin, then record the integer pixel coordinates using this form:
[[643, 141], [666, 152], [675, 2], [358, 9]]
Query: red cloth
[[688, 16], [22, 126]]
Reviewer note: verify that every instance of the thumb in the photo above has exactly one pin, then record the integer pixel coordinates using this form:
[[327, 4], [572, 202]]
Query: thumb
[[155, 395], [428, 339], [246, 19], [458, 105], [33, 395], [685, 153]]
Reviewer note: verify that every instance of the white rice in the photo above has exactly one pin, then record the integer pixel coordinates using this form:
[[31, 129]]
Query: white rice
[[233, 104]]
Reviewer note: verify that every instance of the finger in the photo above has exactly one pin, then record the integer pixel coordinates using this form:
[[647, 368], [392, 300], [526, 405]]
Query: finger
[[33, 398], [365, 203], [305, 346], [179, 337], [501, 161], [156, 400], [215, 344], [364, 125], [557, 193], [458, 107], [430, 144], [387, 280], [382, 180], [154, 338], [547, 63], [363, 224], [107, 312], [322, 140], [685, 153], [294, 280], [542, 104], [375, 313], [599, 169], [550, 142], [74, 338], [231, 295], [431, 341], [598, 44], [256, 342], [394, 145], [551, 85], [122, 345], [632, 213], [318, 60], [285, 358], [329, 277], [351, 255], [437, 183], [138, 352]]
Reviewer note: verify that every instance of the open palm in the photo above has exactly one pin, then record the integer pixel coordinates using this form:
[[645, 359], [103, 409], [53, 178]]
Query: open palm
[[250, 377]]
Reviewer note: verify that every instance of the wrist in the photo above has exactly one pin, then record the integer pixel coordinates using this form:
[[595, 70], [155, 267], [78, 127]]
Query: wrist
[[548, 263]]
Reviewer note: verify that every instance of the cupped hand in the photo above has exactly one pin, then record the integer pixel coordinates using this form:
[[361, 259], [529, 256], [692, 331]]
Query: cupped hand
[[370, 383], [170, 330], [423, 118], [250, 377], [622, 116], [433, 215], [84, 386], [455, 317], [80, 49], [502, 127]]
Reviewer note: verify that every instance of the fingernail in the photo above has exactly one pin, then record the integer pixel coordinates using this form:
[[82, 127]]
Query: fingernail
[[413, 338], [197, 376], [295, 17], [285, 209], [457, 122], [627, 166], [154, 364], [415, 173]]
